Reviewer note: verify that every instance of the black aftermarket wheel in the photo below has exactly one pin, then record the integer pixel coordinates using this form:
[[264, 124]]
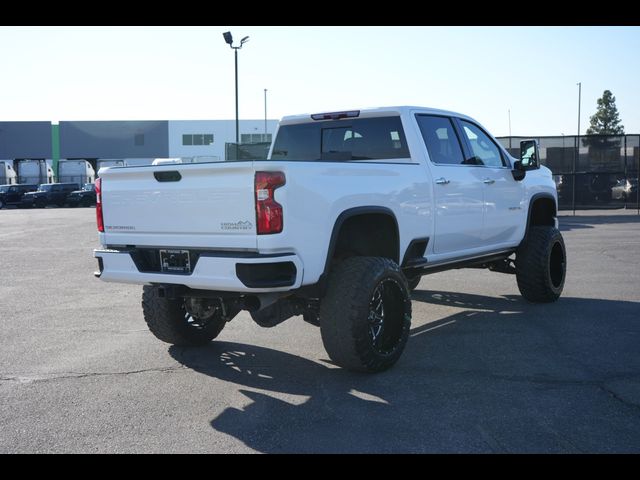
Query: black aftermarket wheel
[[366, 315], [170, 321], [541, 265]]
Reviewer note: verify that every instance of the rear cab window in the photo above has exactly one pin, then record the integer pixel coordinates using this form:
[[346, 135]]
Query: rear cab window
[[353, 139]]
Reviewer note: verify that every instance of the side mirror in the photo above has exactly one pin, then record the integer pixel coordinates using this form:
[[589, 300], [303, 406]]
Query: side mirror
[[529, 155], [528, 159]]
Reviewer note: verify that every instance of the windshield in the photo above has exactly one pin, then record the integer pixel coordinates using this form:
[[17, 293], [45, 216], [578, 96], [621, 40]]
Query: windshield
[[4, 188], [88, 187], [44, 188]]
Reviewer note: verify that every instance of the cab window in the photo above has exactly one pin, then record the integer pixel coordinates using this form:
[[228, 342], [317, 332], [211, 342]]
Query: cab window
[[485, 152], [441, 140]]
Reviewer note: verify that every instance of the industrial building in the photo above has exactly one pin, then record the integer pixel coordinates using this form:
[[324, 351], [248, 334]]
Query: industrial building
[[144, 140]]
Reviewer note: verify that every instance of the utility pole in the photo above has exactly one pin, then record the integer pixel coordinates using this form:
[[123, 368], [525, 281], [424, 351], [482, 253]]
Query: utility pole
[[509, 122], [237, 117], [577, 155], [265, 114], [229, 40]]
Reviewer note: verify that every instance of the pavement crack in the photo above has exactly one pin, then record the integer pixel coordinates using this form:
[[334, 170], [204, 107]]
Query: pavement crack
[[613, 394], [31, 378]]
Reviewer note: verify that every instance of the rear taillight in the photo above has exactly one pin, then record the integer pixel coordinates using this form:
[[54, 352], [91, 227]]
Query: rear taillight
[[99, 219], [268, 211]]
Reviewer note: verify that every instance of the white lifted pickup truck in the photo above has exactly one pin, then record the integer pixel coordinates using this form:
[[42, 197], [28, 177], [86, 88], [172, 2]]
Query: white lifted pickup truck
[[338, 224]]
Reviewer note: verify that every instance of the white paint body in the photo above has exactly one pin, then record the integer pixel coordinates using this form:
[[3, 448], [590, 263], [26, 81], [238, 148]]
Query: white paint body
[[481, 210]]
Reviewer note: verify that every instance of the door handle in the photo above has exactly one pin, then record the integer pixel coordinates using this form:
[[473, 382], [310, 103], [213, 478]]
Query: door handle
[[442, 181], [488, 181]]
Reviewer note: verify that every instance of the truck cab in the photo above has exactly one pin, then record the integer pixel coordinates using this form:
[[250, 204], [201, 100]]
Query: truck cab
[[8, 175]]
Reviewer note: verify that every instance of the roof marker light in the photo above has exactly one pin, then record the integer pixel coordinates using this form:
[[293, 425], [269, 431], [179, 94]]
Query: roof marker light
[[336, 115]]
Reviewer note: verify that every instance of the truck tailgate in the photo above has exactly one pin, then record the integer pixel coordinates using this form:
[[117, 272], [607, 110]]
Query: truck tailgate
[[207, 205]]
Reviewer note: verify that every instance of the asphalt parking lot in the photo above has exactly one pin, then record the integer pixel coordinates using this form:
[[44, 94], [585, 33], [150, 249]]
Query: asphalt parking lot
[[483, 371]]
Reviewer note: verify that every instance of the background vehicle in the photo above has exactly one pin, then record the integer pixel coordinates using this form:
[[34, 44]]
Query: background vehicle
[[137, 162], [166, 161], [76, 171], [337, 225], [34, 172], [12, 194], [7, 173], [49, 194], [625, 189], [83, 198], [109, 162]]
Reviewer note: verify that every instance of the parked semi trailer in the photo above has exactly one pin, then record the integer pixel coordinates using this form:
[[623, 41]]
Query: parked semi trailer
[[76, 171], [7, 173], [34, 172]]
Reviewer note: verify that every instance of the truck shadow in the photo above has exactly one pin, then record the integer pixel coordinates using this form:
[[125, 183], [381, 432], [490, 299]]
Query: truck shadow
[[498, 375]]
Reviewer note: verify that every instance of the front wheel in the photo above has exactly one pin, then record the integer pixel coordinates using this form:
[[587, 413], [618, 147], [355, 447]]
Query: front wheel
[[175, 321], [541, 265], [366, 314]]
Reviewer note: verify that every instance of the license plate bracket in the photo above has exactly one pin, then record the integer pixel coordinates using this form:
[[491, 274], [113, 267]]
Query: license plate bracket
[[175, 261]]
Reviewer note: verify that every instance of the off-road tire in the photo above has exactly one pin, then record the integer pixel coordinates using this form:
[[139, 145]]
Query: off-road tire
[[167, 320], [541, 265], [1, 204], [346, 321]]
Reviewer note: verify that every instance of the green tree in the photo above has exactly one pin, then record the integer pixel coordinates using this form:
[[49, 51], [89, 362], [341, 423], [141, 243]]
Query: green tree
[[606, 120]]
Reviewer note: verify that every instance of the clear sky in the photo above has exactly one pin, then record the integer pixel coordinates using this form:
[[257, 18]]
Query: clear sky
[[179, 73]]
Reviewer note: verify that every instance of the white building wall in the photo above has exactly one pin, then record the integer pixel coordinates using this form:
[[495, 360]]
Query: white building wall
[[223, 131]]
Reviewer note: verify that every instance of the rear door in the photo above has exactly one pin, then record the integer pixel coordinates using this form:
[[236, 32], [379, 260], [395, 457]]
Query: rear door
[[13, 195], [458, 187], [57, 194]]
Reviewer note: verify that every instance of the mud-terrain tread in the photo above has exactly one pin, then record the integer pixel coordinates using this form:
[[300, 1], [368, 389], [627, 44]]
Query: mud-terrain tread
[[344, 311], [165, 319], [532, 265]]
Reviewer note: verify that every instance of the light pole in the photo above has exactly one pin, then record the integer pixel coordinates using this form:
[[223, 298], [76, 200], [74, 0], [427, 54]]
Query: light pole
[[265, 114], [577, 156], [579, 101], [229, 39]]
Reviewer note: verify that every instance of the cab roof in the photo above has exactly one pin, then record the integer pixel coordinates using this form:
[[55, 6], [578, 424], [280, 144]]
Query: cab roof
[[369, 112]]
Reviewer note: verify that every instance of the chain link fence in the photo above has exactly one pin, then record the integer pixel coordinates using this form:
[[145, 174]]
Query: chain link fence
[[601, 172], [592, 171]]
